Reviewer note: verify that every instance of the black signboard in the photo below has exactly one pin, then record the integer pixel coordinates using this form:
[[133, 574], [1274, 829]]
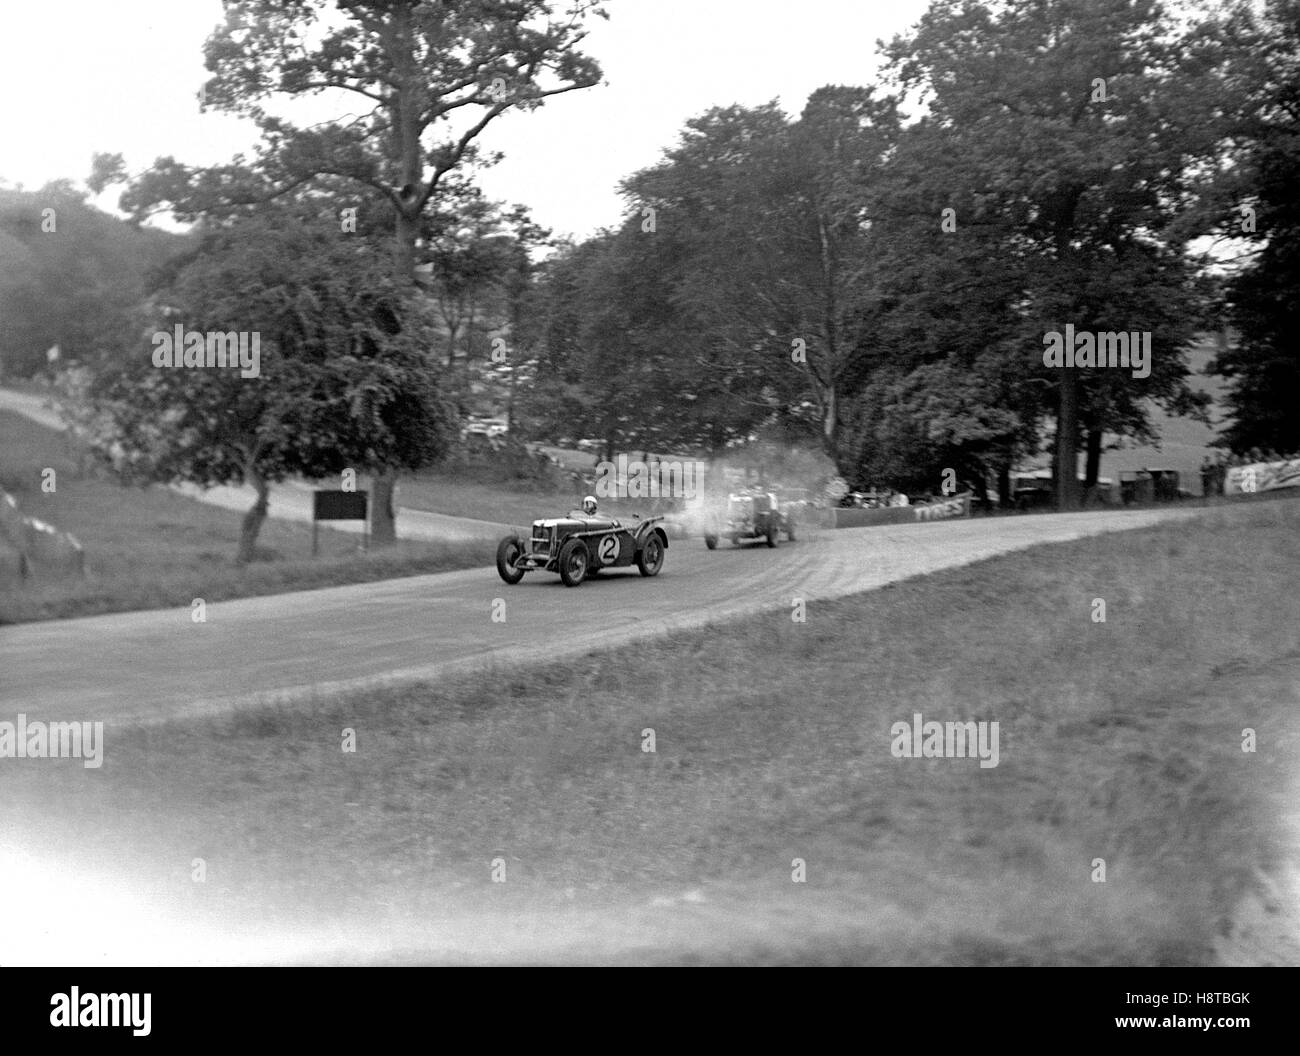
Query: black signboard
[[338, 506]]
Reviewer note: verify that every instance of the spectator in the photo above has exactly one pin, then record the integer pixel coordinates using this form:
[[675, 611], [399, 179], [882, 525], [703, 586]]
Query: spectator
[[1207, 476]]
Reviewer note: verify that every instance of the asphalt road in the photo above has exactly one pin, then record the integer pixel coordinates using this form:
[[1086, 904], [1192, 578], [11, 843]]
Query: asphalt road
[[147, 666]]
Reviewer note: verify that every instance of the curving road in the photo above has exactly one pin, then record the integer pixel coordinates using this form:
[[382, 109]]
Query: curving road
[[150, 666]]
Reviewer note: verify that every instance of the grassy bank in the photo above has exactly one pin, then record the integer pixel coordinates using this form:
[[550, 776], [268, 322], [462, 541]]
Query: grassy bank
[[150, 548], [1118, 741]]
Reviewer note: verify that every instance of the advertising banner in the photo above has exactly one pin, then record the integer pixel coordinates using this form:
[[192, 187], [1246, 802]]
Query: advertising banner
[[941, 509], [1262, 476], [957, 506]]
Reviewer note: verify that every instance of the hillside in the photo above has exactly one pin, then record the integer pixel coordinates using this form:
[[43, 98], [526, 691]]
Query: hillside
[[69, 277]]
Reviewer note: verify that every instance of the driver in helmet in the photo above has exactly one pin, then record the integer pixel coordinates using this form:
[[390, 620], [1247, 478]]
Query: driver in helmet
[[589, 506]]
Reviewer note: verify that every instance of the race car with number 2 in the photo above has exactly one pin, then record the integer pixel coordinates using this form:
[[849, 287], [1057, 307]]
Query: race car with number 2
[[582, 545]]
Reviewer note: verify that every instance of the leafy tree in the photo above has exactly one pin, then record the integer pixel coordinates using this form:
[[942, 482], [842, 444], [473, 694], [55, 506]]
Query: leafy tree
[[617, 355], [585, 382], [479, 276], [775, 259], [1264, 367], [840, 152], [430, 77], [343, 381], [1087, 125]]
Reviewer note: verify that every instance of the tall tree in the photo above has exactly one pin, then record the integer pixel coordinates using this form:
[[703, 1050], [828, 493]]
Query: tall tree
[[430, 75], [1264, 368], [774, 259], [340, 380], [476, 261], [1090, 124], [706, 224], [840, 150]]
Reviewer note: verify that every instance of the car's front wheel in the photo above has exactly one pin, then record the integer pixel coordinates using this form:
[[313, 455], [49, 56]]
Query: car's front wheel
[[711, 541], [574, 561], [509, 550], [651, 558]]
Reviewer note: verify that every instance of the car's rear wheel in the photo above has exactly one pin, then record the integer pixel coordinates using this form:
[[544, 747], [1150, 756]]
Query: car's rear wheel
[[711, 541], [509, 551], [574, 562], [651, 558]]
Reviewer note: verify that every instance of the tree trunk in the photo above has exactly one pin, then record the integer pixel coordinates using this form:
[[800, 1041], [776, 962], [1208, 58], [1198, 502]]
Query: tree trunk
[[516, 357], [831, 423], [1005, 498], [1067, 440], [510, 402], [253, 519], [981, 483], [1066, 462], [404, 250], [1092, 463], [383, 508]]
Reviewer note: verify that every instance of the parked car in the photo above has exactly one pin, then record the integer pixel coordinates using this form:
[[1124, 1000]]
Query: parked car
[[579, 546], [1151, 485]]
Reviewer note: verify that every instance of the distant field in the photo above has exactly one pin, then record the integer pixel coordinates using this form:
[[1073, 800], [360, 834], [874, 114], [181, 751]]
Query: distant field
[[1119, 741], [513, 503], [151, 548], [503, 504]]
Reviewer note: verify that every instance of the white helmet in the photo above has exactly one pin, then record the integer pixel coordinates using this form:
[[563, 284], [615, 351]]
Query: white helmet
[[589, 505]]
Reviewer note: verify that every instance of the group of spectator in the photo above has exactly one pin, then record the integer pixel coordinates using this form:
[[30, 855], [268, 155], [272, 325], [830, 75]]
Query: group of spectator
[[875, 499], [1215, 471], [1256, 455]]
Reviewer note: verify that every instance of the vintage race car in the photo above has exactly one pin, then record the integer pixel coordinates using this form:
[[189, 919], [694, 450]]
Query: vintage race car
[[579, 546], [751, 515]]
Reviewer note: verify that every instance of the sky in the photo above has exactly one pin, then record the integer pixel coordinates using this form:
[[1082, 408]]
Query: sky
[[122, 77]]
